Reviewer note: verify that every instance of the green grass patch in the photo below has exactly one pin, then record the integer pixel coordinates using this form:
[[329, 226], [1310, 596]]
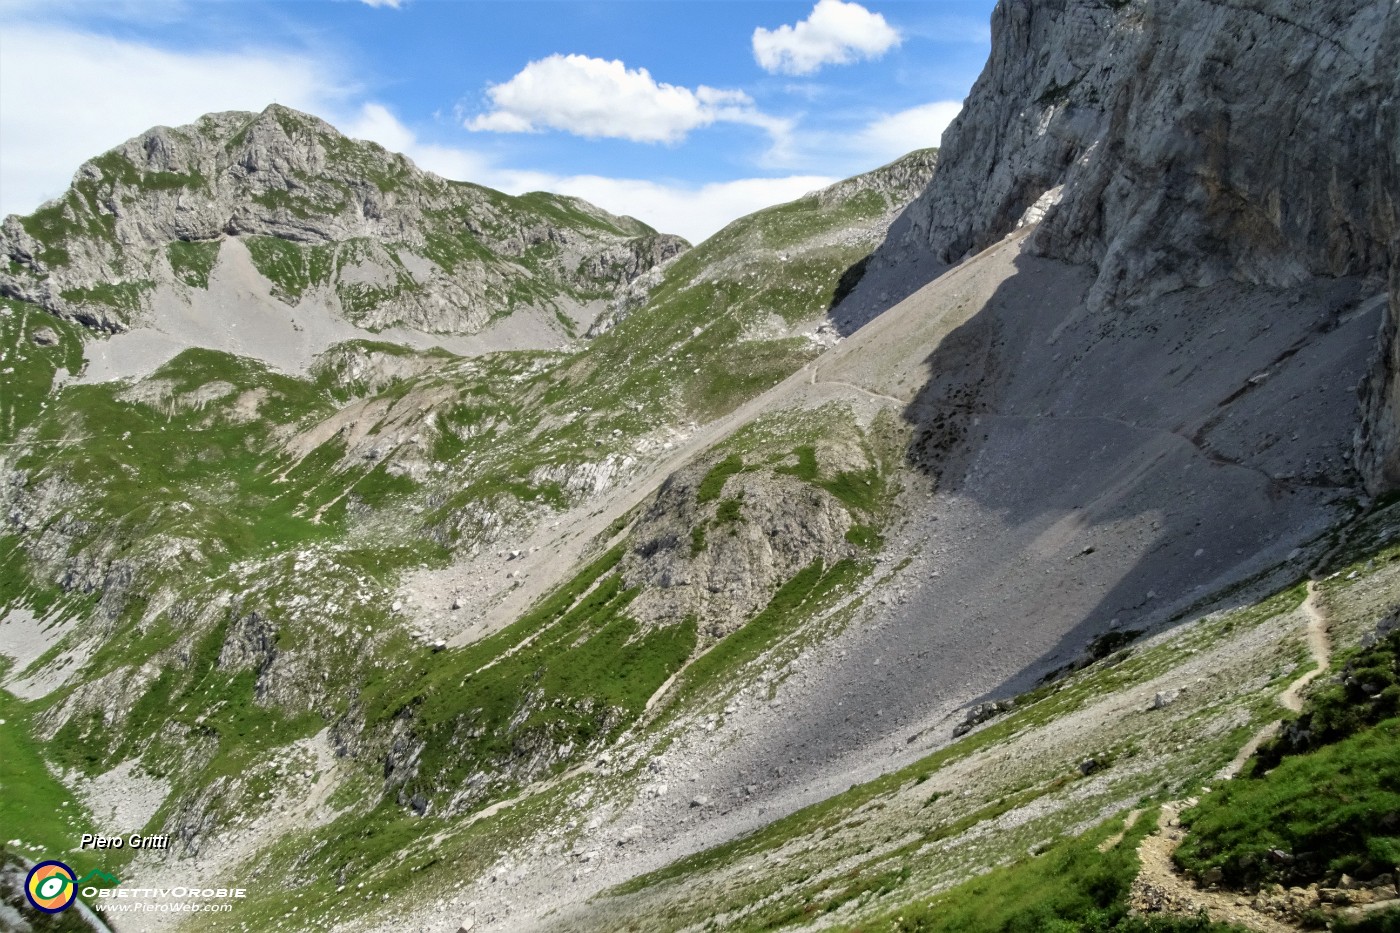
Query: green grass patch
[[290, 267], [730, 511], [865, 536], [27, 370], [35, 808], [118, 169], [752, 368], [565, 212], [712, 486], [1330, 811], [125, 296], [378, 487], [192, 261], [186, 469], [1070, 888], [863, 490]]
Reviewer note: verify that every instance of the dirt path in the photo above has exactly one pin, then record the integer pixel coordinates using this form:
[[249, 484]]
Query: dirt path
[[816, 379], [1318, 646], [1159, 886], [1128, 823]]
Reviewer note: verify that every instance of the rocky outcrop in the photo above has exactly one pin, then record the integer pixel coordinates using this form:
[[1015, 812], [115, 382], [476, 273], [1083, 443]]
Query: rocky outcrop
[[392, 243], [1179, 144], [720, 561], [360, 370], [250, 642], [897, 183]]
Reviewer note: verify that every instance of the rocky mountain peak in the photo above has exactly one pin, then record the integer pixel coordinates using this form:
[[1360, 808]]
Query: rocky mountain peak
[[443, 256]]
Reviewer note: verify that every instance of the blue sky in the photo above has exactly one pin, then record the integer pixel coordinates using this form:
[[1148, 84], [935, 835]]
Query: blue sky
[[685, 114]]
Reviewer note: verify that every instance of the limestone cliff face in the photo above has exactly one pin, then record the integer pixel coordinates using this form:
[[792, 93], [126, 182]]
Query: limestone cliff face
[[1180, 143], [392, 243]]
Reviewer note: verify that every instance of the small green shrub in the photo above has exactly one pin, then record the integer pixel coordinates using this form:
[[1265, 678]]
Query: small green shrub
[[865, 536], [730, 511]]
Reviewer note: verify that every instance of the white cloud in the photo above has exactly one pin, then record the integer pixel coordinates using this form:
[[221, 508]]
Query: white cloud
[[66, 96], [597, 98], [835, 33], [391, 4], [894, 134], [377, 123]]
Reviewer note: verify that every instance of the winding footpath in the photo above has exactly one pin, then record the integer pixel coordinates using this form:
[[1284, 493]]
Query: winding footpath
[[1159, 883]]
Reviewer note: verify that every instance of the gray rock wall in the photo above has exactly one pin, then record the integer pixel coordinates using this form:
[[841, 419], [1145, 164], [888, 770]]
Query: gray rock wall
[[1197, 141]]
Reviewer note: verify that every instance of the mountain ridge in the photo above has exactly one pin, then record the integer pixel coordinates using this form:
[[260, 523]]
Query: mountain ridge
[[394, 244]]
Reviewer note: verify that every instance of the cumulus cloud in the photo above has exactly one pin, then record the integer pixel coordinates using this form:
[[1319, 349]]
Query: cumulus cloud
[[892, 135], [596, 98], [66, 96], [835, 33]]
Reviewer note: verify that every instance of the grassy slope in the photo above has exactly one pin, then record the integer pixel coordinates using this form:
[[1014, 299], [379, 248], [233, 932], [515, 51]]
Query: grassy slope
[[1332, 811], [26, 369], [1072, 886], [175, 462], [36, 809], [1327, 794], [855, 851], [780, 262]]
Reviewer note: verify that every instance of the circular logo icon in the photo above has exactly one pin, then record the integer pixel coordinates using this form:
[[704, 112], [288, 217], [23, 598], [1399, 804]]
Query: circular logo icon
[[51, 887]]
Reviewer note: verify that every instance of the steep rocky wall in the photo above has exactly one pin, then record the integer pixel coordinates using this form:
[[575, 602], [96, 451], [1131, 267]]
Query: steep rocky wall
[[1193, 142]]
